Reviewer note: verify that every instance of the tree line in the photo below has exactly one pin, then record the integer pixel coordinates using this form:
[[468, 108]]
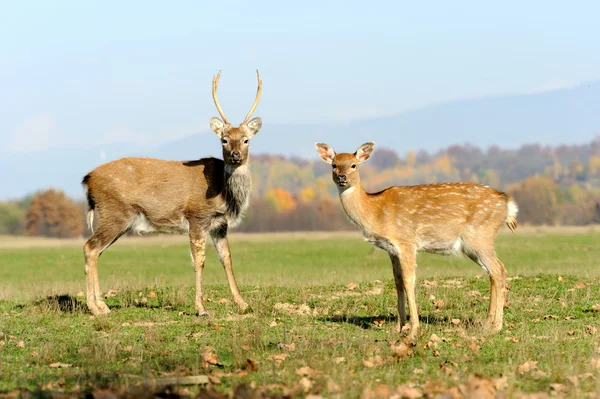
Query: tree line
[[552, 185]]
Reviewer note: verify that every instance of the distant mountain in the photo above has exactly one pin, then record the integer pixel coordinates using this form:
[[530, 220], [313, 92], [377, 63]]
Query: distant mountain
[[566, 116]]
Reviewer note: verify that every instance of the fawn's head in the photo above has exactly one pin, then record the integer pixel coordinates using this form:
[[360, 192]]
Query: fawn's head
[[235, 140], [345, 165]]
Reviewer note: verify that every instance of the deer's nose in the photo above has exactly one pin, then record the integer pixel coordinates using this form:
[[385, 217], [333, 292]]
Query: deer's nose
[[341, 178], [235, 155]]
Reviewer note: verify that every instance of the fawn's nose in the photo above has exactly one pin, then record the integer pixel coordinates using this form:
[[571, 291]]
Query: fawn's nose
[[341, 178], [236, 155]]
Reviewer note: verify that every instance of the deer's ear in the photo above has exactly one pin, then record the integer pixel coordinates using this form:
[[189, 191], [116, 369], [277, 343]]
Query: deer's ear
[[325, 152], [364, 151], [217, 126], [254, 125]]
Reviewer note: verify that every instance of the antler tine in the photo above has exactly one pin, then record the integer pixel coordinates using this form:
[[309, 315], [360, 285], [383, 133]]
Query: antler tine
[[257, 98], [216, 100]]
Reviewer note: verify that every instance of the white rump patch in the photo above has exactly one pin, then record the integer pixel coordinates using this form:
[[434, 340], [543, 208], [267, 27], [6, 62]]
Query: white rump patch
[[513, 209], [141, 225]]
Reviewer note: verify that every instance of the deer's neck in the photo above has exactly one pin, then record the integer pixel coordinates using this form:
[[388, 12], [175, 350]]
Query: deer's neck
[[355, 202], [238, 185]]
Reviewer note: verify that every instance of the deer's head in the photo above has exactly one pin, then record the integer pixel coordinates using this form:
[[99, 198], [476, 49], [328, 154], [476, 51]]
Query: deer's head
[[345, 165], [235, 140]]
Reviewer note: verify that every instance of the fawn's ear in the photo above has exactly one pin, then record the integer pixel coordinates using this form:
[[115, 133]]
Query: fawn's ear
[[325, 152], [217, 126], [364, 151]]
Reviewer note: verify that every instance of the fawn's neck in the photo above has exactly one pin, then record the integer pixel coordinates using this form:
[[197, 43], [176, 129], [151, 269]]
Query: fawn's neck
[[355, 202]]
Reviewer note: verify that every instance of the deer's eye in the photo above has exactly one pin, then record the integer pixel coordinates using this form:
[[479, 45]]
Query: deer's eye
[[334, 166], [224, 141], [353, 166], [246, 141]]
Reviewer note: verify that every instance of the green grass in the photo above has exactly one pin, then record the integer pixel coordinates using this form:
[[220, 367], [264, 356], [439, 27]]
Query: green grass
[[550, 317]]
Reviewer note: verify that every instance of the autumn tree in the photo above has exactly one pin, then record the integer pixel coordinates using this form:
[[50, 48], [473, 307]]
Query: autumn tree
[[537, 200], [52, 214]]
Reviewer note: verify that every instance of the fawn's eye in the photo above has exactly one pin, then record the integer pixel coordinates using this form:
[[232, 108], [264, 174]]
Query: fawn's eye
[[224, 141], [353, 166], [246, 141], [334, 166]]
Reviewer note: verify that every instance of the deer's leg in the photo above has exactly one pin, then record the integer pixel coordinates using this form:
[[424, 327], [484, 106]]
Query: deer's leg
[[399, 290], [408, 264], [198, 251], [493, 322], [103, 238], [219, 237], [488, 260]]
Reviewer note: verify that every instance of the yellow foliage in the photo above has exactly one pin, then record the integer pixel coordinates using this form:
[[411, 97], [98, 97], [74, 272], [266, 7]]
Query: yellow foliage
[[282, 199], [594, 166], [307, 195]]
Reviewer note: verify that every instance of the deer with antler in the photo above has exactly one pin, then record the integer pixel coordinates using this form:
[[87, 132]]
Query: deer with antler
[[437, 218], [203, 197]]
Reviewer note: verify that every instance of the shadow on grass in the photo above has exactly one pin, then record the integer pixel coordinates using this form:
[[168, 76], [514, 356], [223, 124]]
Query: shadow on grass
[[62, 303], [367, 322]]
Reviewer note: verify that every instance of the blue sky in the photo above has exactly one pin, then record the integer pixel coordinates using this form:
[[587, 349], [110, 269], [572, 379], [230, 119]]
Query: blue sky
[[75, 74]]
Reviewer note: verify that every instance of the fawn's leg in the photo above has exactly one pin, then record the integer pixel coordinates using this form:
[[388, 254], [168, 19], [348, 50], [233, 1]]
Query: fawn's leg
[[399, 290], [488, 260], [408, 264]]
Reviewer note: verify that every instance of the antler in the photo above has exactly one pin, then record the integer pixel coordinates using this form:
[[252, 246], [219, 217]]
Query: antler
[[214, 94], [255, 101]]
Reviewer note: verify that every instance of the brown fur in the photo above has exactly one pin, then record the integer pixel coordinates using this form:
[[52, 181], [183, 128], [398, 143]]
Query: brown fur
[[203, 197], [438, 218]]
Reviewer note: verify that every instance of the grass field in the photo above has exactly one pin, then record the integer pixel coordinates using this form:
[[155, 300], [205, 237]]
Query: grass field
[[323, 306]]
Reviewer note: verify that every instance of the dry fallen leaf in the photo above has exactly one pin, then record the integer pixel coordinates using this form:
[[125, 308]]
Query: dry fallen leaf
[[428, 283], [272, 323], [209, 357], [479, 387], [474, 293], [306, 384], [595, 308], [596, 363], [474, 347], [580, 285], [538, 374], [288, 347], [406, 391], [501, 383], [152, 294], [309, 372], [251, 364], [455, 321], [224, 300], [527, 366], [80, 293], [373, 362], [439, 303], [60, 365], [352, 286], [20, 344], [591, 330], [401, 351], [278, 358], [110, 294], [512, 339], [550, 316], [559, 388], [571, 332], [338, 360]]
